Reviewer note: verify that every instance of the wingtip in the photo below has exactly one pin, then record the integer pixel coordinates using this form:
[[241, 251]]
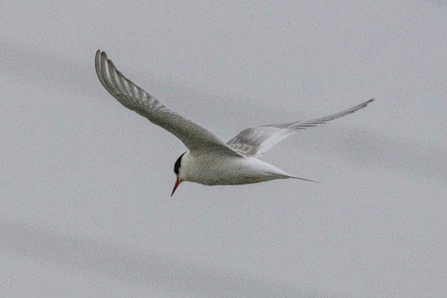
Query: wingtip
[[98, 55], [368, 102], [362, 105]]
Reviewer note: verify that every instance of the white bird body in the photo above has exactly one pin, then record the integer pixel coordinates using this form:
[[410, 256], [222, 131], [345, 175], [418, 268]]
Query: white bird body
[[218, 169], [209, 161]]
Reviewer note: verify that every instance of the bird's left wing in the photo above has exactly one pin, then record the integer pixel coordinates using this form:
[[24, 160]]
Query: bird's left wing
[[195, 137], [257, 140]]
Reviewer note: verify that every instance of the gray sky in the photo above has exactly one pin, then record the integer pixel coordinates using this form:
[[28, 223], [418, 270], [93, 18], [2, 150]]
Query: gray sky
[[85, 183]]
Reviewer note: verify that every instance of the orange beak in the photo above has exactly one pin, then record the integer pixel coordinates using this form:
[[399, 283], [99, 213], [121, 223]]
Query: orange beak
[[177, 183]]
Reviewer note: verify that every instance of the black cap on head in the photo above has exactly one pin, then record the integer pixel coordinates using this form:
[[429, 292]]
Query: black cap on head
[[177, 164]]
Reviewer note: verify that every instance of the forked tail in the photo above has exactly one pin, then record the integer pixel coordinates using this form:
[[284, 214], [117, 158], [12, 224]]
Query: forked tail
[[304, 179], [287, 176]]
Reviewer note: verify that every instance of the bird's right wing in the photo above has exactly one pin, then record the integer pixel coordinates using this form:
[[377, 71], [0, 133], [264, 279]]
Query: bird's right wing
[[195, 137], [257, 140]]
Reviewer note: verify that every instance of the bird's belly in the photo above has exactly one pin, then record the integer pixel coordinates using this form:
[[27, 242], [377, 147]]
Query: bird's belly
[[231, 172], [232, 180]]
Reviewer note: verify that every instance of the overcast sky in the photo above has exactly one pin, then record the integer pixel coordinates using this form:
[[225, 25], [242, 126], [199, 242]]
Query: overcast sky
[[85, 183]]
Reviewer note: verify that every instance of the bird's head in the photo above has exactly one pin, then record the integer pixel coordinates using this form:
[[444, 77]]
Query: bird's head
[[177, 170]]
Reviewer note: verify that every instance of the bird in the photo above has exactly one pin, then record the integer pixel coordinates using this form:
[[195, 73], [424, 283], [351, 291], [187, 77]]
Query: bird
[[208, 160]]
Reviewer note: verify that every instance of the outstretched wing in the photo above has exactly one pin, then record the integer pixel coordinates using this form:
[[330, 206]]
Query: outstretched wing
[[255, 141], [195, 137]]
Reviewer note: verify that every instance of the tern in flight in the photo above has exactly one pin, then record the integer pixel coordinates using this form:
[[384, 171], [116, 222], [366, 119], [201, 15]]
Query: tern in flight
[[208, 160]]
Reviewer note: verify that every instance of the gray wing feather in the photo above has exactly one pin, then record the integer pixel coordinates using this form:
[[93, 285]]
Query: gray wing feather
[[258, 140], [195, 137]]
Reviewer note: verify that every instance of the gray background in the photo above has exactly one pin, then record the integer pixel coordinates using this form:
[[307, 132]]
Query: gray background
[[85, 183]]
